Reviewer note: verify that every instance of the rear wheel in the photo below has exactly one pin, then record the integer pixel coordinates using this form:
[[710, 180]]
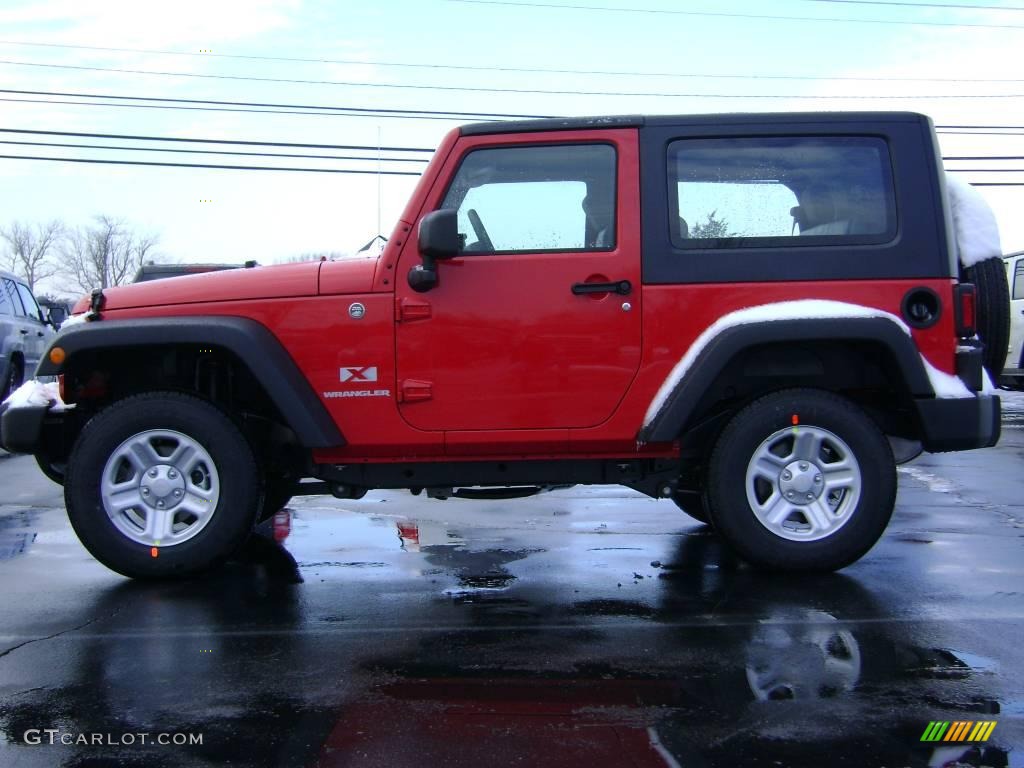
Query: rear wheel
[[801, 480], [161, 485]]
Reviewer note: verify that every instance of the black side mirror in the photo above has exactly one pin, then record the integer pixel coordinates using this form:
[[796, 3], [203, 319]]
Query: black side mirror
[[439, 234], [56, 316], [438, 239]]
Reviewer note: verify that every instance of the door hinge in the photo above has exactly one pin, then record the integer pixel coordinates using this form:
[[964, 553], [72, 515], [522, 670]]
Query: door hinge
[[408, 310], [415, 391]]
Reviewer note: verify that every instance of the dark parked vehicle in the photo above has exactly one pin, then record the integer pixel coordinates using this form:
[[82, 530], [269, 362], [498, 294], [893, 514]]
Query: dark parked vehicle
[[25, 331], [57, 310]]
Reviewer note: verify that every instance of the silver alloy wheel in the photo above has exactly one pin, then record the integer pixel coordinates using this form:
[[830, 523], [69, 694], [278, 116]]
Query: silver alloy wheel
[[803, 483], [160, 488], [802, 655]]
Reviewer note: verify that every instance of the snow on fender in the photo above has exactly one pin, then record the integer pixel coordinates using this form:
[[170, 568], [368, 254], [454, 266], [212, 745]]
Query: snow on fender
[[35, 394], [944, 385]]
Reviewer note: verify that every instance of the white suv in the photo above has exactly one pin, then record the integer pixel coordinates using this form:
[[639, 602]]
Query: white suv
[[25, 332], [1013, 374]]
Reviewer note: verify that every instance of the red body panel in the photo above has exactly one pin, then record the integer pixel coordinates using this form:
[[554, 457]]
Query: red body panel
[[349, 275], [230, 285], [500, 360]]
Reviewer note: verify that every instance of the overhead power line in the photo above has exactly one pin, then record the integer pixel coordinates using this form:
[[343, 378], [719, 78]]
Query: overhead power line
[[922, 5], [979, 133], [222, 109], [485, 89], [987, 127], [969, 130], [728, 15], [527, 70], [366, 158], [367, 147], [362, 111], [984, 157], [330, 108], [299, 145], [357, 171], [219, 167]]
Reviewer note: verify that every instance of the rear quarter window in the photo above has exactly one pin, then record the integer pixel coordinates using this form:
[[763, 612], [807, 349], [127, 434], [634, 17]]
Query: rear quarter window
[[777, 198], [780, 191]]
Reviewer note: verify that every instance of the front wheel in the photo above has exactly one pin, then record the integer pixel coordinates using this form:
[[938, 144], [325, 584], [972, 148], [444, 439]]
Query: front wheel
[[801, 480], [161, 485]]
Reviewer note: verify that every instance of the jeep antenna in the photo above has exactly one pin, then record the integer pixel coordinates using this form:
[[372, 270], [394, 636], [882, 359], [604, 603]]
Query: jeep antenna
[[378, 179]]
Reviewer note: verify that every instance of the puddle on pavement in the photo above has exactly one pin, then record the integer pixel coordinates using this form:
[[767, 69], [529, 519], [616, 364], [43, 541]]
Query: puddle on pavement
[[17, 533]]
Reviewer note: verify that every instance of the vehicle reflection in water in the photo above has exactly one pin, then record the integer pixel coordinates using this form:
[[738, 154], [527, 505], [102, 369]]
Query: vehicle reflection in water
[[485, 658], [17, 533], [735, 658]]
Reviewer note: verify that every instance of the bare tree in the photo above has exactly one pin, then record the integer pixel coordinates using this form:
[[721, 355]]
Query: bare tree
[[104, 254], [30, 249]]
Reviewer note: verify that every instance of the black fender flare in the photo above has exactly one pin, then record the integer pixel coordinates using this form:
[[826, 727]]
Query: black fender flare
[[675, 412], [247, 339]]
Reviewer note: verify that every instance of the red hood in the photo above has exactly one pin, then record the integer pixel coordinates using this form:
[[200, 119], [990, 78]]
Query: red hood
[[274, 282]]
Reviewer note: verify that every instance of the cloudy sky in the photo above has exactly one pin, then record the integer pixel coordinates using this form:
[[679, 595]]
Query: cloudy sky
[[957, 62]]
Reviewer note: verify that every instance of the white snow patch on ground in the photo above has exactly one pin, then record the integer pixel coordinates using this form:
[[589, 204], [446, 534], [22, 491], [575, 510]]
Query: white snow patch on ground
[[977, 233], [945, 385], [34, 393], [934, 482]]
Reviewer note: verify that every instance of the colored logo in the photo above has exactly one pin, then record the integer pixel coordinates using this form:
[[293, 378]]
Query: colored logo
[[961, 730], [358, 373]]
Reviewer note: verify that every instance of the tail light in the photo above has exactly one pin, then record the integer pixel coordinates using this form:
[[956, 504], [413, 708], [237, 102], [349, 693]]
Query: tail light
[[965, 310]]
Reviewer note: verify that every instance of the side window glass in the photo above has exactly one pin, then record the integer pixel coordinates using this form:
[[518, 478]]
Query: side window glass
[[29, 302], [1018, 280], [6, 307], [532, 199], [780, 191], [11, 293]]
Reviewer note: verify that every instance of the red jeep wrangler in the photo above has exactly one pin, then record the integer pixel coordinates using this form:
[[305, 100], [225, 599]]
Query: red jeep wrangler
[[740, 313]]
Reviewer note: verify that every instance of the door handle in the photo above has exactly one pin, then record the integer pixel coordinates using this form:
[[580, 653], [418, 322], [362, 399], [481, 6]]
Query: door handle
[[24, 331], [40, 334], [621, 287]]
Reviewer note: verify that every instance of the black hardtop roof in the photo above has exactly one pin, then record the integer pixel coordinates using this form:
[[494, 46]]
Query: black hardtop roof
[[727, 118]]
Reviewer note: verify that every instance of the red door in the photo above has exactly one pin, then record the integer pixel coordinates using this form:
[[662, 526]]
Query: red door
[[515, 336]]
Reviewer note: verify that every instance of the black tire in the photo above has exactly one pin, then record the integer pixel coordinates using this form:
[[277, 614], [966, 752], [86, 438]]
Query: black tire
[[989, 278], [54, 472], [277, 492], [694, 505], [15, 378], [229, 524], [866, 517]]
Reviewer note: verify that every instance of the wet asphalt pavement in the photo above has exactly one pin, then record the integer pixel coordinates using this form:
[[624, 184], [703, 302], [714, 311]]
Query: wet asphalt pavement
[[589, 626]]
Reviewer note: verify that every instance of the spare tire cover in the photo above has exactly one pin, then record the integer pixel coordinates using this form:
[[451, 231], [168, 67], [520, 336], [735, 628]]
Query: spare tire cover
[[989, 278], [980, 256]]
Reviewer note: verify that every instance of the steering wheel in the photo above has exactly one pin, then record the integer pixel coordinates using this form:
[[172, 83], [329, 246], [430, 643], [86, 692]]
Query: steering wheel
[[478, 229]]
